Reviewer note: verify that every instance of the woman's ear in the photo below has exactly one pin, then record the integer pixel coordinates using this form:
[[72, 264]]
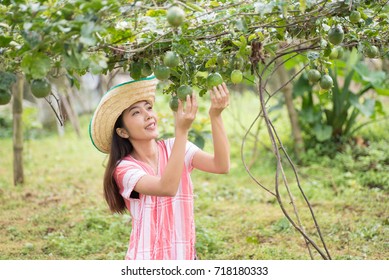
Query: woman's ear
[[122, 132]]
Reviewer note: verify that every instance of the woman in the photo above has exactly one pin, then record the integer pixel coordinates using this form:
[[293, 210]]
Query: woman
[[150, 178]]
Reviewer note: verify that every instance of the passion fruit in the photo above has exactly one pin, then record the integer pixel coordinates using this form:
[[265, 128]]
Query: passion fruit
[[5, 97], [214, 79], [146, 70], [136, 70], [355, 16], [236, 76], [175, 16], [183, 91], [171, 59], [336, 35], [40, 88], [314, 75], [326, 82], [372, 51], [334, 53], [340, 53], [162, 72], [173, 103]]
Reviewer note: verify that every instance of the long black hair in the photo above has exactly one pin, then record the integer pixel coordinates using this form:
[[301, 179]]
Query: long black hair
[[120, 147]]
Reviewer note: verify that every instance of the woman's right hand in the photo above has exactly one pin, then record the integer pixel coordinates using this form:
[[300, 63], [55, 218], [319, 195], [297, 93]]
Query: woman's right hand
[[185, 115]]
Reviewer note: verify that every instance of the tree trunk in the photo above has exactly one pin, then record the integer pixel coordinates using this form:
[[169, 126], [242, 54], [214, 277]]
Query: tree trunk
[[17, 111], [288, 95]]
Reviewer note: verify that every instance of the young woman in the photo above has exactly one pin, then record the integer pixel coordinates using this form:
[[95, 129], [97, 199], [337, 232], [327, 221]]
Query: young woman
[[151, 178]]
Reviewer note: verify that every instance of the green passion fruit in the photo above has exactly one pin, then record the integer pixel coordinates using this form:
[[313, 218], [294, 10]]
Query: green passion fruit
[[162, 72], [146, 70], [40, 88], [171, 59], [5, 97], [336, 35], [136, 70], [183, 91], [236, 76], [173, 103], [175, 16], [340, 52], [314, 75], [334, 53], [326, 82], [214, 79], [372, 51]]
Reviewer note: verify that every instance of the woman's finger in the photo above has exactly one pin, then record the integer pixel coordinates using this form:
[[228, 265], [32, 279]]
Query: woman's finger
[[194, 103], [217, 93], [222, 92], [188, 108], [180, 106], [225, 88]]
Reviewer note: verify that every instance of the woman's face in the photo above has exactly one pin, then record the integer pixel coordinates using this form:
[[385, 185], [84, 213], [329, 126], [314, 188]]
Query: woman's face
[[140, 122]]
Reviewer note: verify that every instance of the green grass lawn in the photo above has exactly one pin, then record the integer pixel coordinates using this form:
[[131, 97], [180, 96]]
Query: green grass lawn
[[60, 213]]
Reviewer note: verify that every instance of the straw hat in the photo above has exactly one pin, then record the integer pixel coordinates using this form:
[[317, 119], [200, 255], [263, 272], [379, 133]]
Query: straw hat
[[111, 106]]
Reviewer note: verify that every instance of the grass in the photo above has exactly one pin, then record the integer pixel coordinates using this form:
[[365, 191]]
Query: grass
[[59, 213]]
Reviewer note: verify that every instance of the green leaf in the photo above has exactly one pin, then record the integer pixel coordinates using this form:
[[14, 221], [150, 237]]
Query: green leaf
[[367, 108], [87, 31], [37, 65], [98, 62], [301, 86], [195, 7], [379, 109], [4, 41], [6, 80], [243, 40], [156, 13], [303, 6], [353, 58], [211, 62], [241, 25], [237, 43], [197, 138], [214, 4], [374, 77], [269, 49], [382, 91], [76, 61], [252, 37]]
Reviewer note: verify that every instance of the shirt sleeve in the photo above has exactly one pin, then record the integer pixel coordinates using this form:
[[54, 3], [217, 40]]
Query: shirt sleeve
[[190, 151], [127, 175]]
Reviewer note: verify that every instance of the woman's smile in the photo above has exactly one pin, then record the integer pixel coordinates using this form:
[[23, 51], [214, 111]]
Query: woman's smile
[[151, 126]]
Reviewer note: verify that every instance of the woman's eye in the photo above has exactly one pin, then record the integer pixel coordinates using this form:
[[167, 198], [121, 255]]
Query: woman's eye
[[135, 113]]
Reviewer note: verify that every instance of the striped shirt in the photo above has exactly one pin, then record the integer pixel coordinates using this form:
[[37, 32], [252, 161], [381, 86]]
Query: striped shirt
[[162, 227]]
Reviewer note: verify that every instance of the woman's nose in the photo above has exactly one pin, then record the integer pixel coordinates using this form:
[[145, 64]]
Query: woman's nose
[[147, 115]]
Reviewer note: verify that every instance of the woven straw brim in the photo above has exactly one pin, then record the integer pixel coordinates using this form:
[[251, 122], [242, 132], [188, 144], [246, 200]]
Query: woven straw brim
[[111, 106]]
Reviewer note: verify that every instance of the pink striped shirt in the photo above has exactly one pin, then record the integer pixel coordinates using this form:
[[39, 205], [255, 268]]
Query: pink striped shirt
[[162, 227]]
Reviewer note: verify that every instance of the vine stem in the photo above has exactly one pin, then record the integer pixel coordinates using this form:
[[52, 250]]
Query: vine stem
[[301, 190], [280, 169], [243, 157], [277, 146], [58, 114]]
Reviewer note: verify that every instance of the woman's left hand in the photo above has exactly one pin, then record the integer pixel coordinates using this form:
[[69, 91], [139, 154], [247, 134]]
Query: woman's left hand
[[220, 99]]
